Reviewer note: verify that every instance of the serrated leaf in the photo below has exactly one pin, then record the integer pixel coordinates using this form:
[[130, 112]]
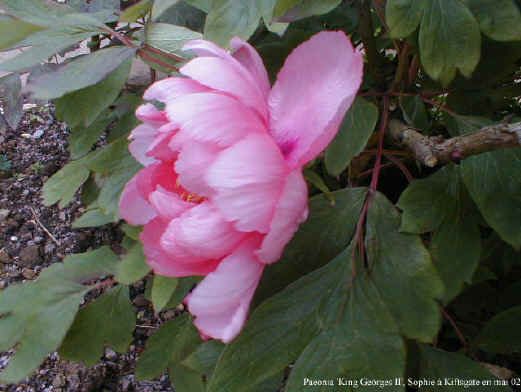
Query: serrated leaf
[[231, 18], [449, 368], [162, 290], [501, 334], [492, 180], [173, 342], [136, 11], [353, 135], [82, 107], [324, 235], [36, 315], [403, 273], [205, 356], [79, 73], [133, 266], [14, 30], [12, 100], [275, 335], [499, 19], [64, 183], [170, 38], [291, 10], [92, 218], [360, 338], [107, 321]]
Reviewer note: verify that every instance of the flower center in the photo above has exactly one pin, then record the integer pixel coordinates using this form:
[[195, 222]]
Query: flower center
[[189, 197]]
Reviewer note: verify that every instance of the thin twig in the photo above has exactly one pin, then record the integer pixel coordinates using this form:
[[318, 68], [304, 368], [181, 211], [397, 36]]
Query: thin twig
[[383, 126], [145, 55], [162, 53], [145, 326], [38, 222]]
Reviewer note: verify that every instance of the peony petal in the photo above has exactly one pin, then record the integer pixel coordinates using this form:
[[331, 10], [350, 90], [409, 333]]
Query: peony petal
[[290, 212], [150, 115], [314, 89], [245, 54], [132, 207], [170, 88], [192, 165], [229, 76], [161, 262], [248, 178], [160, 149], [143, 136], [212, 118], [220, 302], [168, 205], [200, 234], [158, 173], [204, 48]]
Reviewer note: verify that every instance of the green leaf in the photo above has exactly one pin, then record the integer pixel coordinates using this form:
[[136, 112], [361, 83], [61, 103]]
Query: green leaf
[[36, 315], [231, 18], [354, 133], [14, 30], [82, 107], [414, 112], [205, 356], [314, 179], [12, 100], [64, 183], [291, 10], [501, 334], [324, 235], [172, 343], [132, 231], [133, 266], [203, 5], [184, 379], [81, 139], [440, 203], [43, 45], [447, 368], [92, 218], [136, 11], [184, 286], [403, 273], [492, 180], [183, 14], [170, 38], [79, 73], [107, 321], [360, 338], [161, 6], [403, 16], [449, 39], [162, 290], [275, 335], [499, 19]]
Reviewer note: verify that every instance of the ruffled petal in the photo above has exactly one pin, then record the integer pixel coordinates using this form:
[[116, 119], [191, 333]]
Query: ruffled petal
[[221, 301], [161, 262], [211, 117], [168, 205], [158, 173], [160, 148], [314, 89], [245, 54], [229, 76], [248, 178], [133, 208], [170, 88], [150, 115], [192, 164], [200, 234], [290, 212], [142, 137]]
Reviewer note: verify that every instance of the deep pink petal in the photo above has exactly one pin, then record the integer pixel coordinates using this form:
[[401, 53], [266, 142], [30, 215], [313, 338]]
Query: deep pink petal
[[158, 173], [150, 115], [161, 262], [142, 137], [160, 149], [200, 234], [212, 118], [133, 208], [229, 76], [170, 88], [168, 205], [248, 178], [314, 89], [290, 212], [192, 164], [220, 302], [245, 54]]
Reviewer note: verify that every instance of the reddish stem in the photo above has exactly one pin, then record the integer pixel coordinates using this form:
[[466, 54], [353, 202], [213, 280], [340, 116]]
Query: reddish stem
[[437, 104], [152, 59], [104, 283], [401, 166], [383, 126], [166, 54]]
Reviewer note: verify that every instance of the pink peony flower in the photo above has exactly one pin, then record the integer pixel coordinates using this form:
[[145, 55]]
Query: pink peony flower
[[222, 190]]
